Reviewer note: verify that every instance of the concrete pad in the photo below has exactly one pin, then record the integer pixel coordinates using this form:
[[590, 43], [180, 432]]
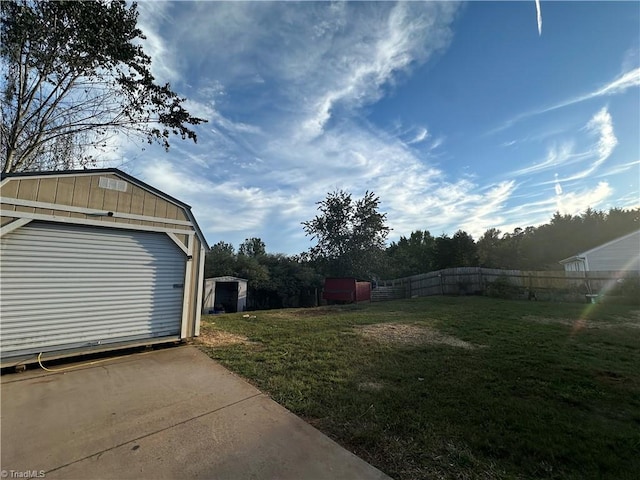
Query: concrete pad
[[172, 413]]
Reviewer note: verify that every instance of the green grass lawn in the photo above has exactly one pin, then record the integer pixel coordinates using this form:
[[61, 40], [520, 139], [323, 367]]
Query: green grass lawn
[[445, 387]]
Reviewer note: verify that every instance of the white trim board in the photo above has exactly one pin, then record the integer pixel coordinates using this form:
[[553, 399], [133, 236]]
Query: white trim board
[[177, 241], [10, 227], [186, 296], [95, 223], [88, 211], [200, 291]]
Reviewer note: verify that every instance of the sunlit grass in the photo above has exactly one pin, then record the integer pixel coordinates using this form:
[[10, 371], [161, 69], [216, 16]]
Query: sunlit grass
[[544, 390]]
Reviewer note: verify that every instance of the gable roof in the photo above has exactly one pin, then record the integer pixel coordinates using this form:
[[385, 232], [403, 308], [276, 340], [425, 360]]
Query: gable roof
[[124, 176], [580, 256]]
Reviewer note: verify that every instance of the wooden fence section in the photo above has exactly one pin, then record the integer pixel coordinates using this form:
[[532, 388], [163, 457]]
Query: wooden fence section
[[475, 281], [383, 293]]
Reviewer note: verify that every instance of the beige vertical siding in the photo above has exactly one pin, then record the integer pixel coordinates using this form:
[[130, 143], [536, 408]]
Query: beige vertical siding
[[6, 220]]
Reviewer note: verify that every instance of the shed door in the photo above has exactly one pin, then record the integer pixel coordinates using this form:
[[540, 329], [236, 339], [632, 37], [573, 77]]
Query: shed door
[[68, 286]]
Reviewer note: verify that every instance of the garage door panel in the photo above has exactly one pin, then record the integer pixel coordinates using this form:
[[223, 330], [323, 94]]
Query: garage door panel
[[70, 286], [71, 324], [60, 312]]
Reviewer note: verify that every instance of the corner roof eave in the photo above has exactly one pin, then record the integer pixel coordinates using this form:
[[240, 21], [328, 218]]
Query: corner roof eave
[[571, 259]]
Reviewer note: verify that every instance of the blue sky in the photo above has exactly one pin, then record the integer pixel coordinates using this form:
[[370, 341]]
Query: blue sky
[[459, 116]]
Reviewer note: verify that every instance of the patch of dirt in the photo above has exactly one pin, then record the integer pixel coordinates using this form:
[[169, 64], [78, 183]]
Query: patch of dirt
[[406, 334], [581, 323], [218, 338]]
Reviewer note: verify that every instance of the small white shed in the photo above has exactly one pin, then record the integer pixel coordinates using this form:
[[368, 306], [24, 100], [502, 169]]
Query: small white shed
[[224, 294], [619, 255]]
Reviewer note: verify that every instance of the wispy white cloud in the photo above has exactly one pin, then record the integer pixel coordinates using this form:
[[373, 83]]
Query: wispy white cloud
[[488, 209], [619, 85], [164, 61], [574, 203], [556, 156], [621, 168], [564, 155], [539, 17], [438, 142], [420, 136], [371, 58], [543, 205], [601, 124]]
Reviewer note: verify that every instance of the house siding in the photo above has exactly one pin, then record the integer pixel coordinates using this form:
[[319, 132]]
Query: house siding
[[622, 254]]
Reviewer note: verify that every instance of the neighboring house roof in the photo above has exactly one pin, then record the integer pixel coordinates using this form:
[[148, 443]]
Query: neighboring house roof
[[581, 256], [124, 176]]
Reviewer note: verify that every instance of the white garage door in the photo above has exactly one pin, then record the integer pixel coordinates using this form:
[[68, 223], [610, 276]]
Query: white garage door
[[68, 286]]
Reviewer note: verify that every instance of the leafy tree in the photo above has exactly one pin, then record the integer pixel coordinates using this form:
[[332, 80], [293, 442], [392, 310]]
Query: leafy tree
[[253, 270], [252, 247], [291, 283], [220, 261], [464, 250], [443, 253], [487, 245], [74, 75], [350, 235], [411, 256]]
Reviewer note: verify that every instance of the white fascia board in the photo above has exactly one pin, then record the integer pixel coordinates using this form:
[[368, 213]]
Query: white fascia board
[[86, 221], [89, 211]]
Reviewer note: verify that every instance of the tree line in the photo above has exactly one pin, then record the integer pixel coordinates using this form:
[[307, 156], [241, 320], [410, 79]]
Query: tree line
[[531, 248], [350, 241]]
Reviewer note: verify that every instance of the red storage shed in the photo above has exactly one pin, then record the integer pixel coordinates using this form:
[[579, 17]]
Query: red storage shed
[[346, 290]]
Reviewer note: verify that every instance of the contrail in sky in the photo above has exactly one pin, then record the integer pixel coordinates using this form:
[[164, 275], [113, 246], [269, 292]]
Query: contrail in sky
[[539, 17]]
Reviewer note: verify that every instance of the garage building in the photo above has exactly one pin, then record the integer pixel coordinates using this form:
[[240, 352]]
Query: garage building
[[94, 260]]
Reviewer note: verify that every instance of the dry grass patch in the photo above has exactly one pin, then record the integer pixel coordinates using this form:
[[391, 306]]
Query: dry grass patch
[[218, 338], [407, 334]]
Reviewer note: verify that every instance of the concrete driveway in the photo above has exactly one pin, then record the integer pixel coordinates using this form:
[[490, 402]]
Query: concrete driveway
[[171, 413]]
